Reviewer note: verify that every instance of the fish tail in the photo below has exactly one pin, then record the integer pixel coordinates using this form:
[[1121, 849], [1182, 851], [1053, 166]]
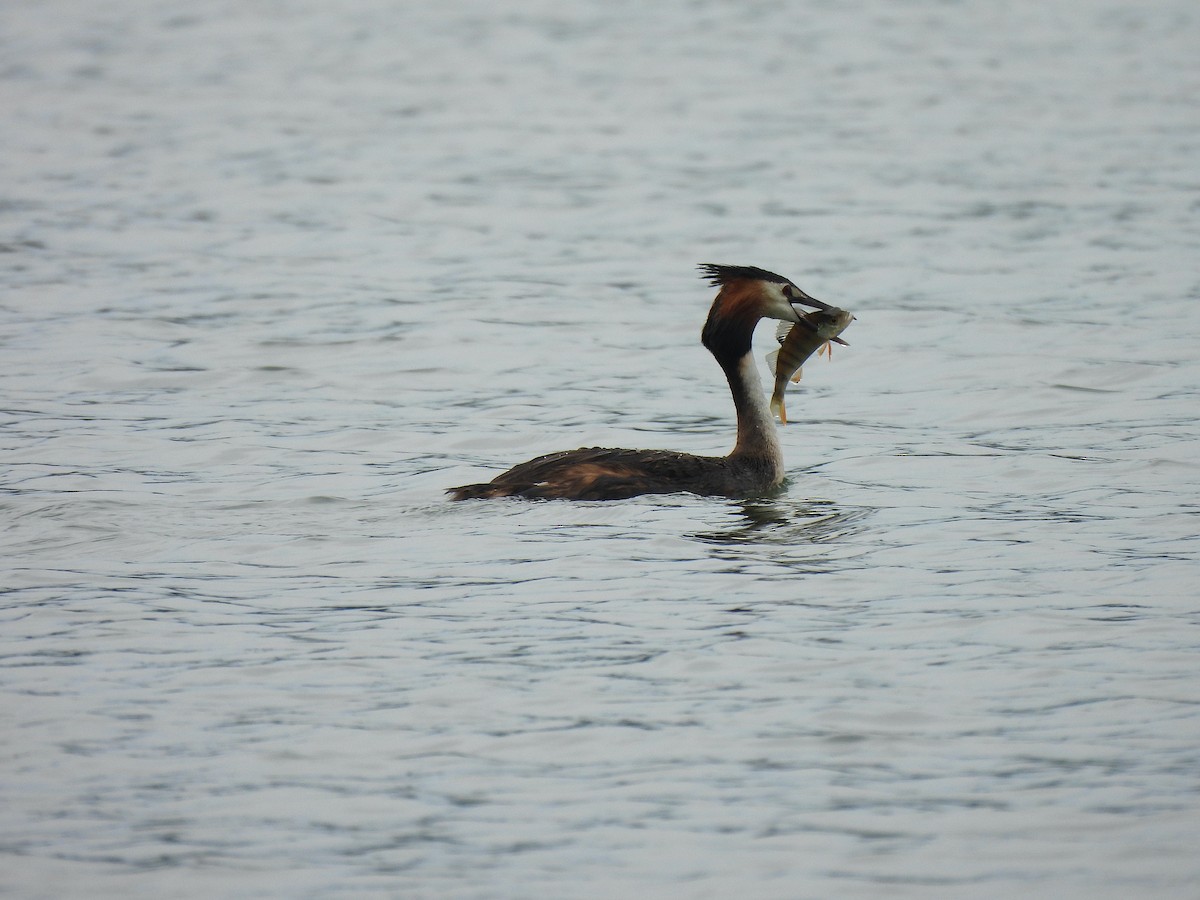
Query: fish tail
[[778, 408]]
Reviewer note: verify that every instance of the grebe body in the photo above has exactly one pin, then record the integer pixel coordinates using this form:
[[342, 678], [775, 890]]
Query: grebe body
[[755, 465]]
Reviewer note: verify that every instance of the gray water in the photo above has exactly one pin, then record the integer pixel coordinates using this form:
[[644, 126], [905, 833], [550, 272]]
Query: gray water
[[277, 274]]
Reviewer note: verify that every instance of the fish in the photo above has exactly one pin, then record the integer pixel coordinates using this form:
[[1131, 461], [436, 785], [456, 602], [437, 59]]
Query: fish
[[798, 342]]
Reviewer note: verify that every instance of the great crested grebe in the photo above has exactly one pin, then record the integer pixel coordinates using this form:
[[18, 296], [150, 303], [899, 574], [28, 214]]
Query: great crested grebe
[[755, 464]]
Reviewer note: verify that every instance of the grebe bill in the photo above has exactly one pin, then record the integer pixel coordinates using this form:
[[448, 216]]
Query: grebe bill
[[748, 294]]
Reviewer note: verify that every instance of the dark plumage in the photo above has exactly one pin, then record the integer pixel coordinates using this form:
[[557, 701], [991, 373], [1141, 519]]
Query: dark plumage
[[717, 274], [601, 473]]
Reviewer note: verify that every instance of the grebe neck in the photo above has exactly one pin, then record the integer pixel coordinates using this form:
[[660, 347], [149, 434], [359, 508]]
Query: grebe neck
[[728, 334], [757, 437]]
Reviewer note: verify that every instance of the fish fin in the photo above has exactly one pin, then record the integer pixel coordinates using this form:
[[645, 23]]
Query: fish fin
[[772, 360], [799, 374], [782, 331]]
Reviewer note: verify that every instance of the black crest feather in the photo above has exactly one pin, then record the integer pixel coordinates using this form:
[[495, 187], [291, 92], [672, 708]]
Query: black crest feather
[[722, 275]]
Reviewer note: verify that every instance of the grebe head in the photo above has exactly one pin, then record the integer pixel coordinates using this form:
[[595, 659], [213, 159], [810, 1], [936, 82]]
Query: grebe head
[[747, 295], [765, 293]]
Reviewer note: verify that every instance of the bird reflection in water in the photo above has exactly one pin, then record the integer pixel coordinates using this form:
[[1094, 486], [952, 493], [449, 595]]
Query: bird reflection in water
[[787, 522]]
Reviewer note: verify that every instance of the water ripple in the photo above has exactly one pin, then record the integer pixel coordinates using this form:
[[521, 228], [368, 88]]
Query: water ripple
[[265, 304]]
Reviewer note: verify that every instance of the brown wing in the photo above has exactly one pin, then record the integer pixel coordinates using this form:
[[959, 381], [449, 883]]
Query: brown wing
[[599, 473]]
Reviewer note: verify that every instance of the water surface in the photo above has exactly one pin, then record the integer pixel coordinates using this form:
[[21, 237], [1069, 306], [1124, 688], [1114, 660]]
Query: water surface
[[276, 275]]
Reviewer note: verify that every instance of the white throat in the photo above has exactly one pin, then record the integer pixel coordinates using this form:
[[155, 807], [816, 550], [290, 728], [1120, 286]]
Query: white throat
[[757, 434]]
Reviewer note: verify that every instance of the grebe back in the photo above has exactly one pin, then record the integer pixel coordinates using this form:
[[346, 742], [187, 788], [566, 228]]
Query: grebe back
[[748, 294]]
